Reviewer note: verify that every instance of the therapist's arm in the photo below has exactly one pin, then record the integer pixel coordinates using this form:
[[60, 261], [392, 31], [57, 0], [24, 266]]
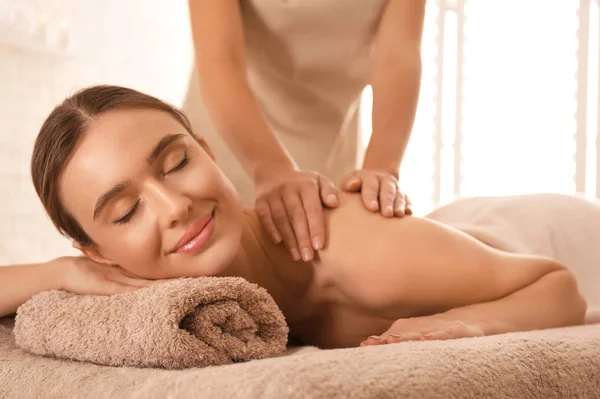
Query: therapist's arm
[[395, 79], [221, 62], [289, 201]]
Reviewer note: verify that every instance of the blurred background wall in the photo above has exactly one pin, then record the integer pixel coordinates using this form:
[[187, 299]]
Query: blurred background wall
[[509, 99], [50, 48]]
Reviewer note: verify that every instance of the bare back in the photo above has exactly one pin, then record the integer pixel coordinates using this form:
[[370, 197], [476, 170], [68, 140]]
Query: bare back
[[377, 270]]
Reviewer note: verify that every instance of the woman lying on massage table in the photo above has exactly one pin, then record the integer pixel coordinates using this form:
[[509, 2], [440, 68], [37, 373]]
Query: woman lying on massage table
[[122, 175]]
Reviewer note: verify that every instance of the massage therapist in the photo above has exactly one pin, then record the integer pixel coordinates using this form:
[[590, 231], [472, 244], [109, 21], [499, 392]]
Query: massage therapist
[[281, 81]]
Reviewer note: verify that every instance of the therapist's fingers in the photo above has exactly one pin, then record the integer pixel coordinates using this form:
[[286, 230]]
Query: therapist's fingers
[[314, 216], [400, 205], [328, 192], [297, 215], [264, 213], [408, 209], [282, 221], [387, 196], [370, 192], [351, 182]]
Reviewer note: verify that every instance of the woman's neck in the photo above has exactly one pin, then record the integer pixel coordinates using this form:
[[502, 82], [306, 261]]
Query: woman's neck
[[270, 266]]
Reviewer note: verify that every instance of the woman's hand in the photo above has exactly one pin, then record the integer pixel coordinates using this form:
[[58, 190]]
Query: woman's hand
[[81, 275], [380, 192], [290, 207], [435, 327]]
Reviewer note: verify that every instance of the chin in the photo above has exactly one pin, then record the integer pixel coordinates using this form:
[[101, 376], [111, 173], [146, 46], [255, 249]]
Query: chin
[[222, 248], [219, 255], [213, 262]]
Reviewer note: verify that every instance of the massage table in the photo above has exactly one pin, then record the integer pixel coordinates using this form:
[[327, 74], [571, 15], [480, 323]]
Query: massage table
[[553, 363]]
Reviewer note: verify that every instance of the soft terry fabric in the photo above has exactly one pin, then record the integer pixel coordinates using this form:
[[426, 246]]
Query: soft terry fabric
[[561, 363], [556, 363], [191, 322]]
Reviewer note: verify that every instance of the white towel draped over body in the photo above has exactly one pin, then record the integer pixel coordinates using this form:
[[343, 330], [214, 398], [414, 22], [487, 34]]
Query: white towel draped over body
[[562, 227]]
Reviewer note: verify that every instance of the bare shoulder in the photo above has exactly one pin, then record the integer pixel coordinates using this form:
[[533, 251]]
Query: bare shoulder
[[388, 264], [356, 231], [366, 251]]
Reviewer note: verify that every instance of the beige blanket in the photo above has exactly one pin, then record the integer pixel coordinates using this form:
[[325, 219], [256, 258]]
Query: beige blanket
[[559, 363]]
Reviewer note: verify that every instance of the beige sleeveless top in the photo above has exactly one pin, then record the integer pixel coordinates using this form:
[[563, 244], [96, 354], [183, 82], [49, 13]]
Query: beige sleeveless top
[[308, 62]]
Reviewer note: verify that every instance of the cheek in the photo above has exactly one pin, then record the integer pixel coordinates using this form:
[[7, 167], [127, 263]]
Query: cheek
[[135, 248], [232, 222], [223, 250], [228, 234], [201, 183]]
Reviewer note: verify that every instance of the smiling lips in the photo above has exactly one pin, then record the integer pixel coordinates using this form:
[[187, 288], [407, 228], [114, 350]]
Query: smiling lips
[[195, 237]]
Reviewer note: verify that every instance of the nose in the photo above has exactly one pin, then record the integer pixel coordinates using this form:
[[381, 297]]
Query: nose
[[173, 206]]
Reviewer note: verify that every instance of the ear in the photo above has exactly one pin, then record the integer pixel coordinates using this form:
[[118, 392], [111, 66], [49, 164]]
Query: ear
[[92, 253]]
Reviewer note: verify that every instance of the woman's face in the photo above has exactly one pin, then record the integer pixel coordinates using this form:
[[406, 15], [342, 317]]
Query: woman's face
[[151, 198]]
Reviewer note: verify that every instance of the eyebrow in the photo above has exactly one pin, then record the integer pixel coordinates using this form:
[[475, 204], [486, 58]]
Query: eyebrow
[[162, 144], [116, 190]]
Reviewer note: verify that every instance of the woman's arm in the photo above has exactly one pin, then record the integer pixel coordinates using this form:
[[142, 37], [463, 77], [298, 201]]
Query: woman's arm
[[79, 275], [221, 61], [439, 281], [395, 77], [289, 201], [396, 80], [19, 283], [421, 266], [552, 301]]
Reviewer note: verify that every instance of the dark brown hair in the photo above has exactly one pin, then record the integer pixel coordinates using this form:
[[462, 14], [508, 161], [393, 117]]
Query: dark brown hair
[[62, 130]]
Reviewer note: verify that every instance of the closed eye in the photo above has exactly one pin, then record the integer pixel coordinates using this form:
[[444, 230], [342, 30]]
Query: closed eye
[[127, 217], [180, 166]]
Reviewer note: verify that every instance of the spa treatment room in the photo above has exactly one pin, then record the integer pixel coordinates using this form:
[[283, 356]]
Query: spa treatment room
[[299, 199]]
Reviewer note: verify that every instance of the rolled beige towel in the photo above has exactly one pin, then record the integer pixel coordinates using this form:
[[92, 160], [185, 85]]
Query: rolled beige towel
[[192, 322]]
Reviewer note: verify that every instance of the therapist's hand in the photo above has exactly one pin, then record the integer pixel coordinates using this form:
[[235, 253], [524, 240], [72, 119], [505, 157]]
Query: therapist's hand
[[379, 191], [290, 207]]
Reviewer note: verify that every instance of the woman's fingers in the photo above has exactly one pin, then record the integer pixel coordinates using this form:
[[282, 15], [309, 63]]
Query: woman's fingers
[[328, 192], [414, 336], [399, 205], [402, 205], [379, 192], [440, 329], [408, 209], [111, 287], [405, 337], [282, 221], [370, 193], [298, 218], [314, 216], [388, 196], [117, 270], [136, 282], [264, 213], [290, 208], [120, 275], [351, 182]]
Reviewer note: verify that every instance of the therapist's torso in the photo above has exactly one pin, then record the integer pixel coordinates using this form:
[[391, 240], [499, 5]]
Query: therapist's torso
[[308, 62]]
